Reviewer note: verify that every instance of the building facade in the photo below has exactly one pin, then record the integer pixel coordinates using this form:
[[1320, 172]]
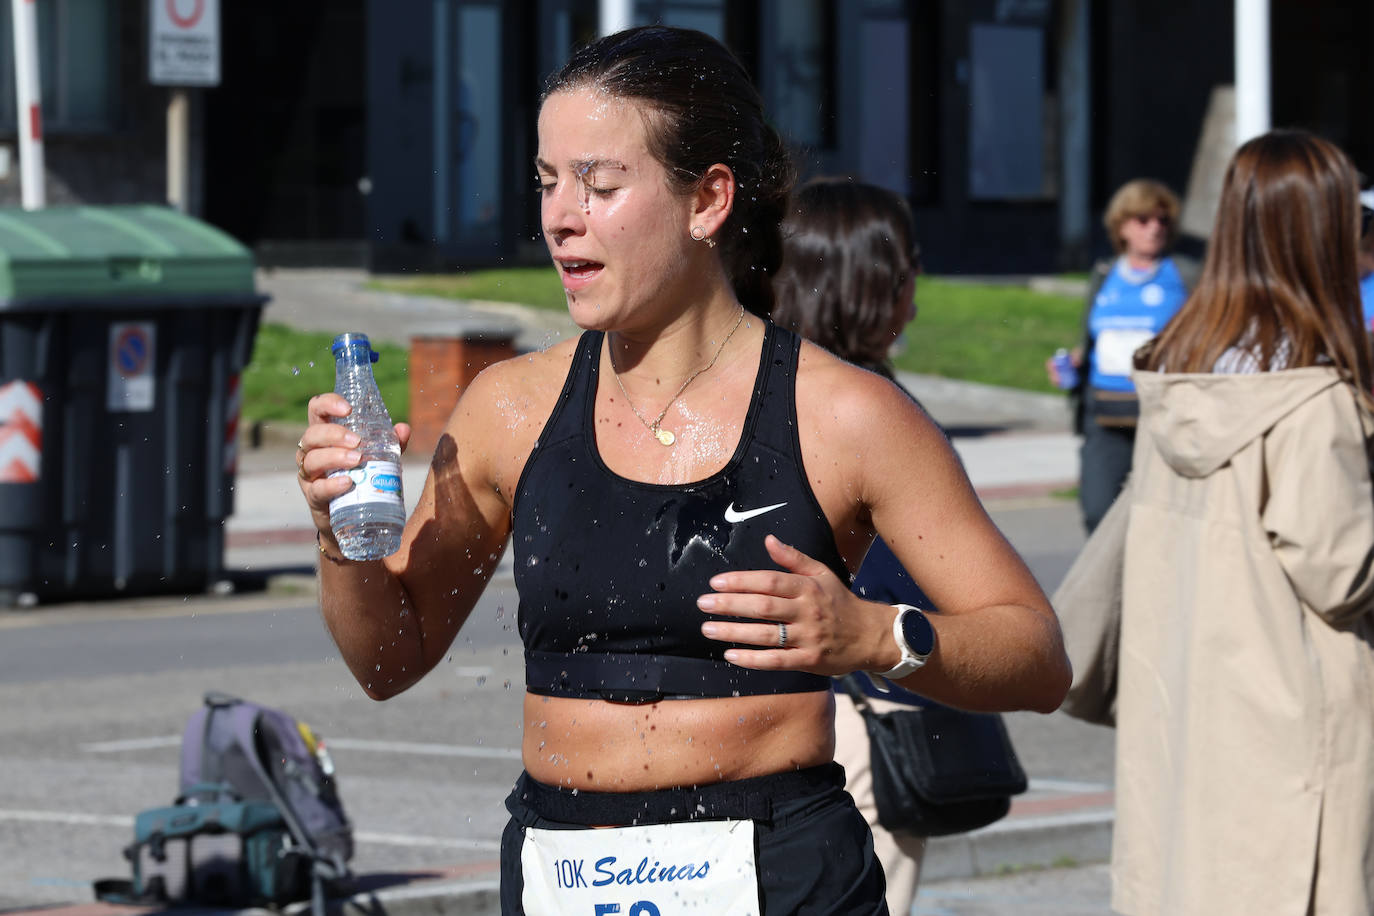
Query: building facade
[[398, 134]]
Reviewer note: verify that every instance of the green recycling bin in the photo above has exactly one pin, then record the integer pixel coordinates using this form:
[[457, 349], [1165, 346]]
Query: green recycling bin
[[123, 333]]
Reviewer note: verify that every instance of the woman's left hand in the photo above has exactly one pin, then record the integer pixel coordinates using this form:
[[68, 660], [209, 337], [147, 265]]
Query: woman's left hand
[[814, 623]]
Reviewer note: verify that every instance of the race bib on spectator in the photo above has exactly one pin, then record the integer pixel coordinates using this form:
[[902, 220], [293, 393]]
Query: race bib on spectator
[[1115, 347]]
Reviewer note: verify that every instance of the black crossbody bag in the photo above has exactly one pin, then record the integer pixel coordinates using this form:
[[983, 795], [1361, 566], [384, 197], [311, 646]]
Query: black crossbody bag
[[938, 770]]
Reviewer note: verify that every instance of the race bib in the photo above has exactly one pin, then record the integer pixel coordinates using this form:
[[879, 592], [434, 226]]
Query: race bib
[[1114, 349], [660, 870]]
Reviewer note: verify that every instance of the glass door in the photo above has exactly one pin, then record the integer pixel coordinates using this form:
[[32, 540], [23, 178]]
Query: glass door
[[469, 123]]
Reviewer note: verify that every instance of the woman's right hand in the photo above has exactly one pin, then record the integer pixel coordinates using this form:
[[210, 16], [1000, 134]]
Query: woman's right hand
[[328, 446], [1052, 371]]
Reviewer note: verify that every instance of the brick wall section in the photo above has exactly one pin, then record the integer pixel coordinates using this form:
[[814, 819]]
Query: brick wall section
[[441, 368]]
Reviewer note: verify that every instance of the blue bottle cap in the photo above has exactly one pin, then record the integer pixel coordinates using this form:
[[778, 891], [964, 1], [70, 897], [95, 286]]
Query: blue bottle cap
[[351, 340]]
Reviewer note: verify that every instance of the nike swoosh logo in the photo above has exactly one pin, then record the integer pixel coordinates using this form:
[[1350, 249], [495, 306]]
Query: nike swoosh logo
[[733, 515]]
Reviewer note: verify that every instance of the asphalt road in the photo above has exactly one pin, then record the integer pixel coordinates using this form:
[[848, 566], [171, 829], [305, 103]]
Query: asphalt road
[[94, 698]]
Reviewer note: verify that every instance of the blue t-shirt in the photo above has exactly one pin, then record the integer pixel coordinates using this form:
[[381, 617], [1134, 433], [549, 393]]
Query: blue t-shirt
[[1367, 299], [1130, 308]]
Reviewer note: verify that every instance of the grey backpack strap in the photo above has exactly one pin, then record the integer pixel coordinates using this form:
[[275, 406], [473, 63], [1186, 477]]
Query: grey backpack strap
[[246, 723]]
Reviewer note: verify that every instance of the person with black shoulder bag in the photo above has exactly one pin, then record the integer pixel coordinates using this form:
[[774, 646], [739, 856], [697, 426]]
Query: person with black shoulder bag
[[915, 768]]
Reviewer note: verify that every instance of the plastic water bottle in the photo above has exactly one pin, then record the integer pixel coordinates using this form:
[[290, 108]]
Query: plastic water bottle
[[1068, 372], [367, 520]]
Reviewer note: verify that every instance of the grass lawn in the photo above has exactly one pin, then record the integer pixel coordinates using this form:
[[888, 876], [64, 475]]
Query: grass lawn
[[995, 334], [990, 333], [536, 286], [289, 367]]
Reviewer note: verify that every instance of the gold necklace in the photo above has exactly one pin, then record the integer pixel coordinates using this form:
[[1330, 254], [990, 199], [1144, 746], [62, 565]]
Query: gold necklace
[[667, 436]]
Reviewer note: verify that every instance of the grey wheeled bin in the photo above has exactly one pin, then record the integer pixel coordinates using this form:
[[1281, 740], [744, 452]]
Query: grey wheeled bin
[[123, 332]]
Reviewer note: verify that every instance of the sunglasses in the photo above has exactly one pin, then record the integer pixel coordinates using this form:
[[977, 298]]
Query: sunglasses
[[1366, 220], [1146, 218]]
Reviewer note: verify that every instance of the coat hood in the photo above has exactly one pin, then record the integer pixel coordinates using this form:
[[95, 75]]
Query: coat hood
[[1198, 421]]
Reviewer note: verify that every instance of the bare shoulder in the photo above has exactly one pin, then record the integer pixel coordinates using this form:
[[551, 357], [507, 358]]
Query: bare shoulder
[[522, 381], [502, 412], [839, 399]]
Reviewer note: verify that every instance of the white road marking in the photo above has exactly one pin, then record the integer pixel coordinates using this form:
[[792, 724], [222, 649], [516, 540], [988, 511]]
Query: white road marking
[[399, 839], [426, 750], [72, 818], [65, 817], [131, 744], [343, 744]]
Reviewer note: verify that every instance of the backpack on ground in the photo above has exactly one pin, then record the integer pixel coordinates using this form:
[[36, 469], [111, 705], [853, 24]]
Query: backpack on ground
[[257, 819]]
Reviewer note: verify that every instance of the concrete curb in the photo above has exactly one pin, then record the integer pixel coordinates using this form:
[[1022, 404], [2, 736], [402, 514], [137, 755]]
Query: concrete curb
[[468, 897]]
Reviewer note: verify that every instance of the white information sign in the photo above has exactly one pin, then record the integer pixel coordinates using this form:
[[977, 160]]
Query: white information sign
[[183, 49], [131, 381]]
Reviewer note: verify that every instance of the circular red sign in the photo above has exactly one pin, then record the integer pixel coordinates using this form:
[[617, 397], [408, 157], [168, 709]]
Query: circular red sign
[[185, 22]]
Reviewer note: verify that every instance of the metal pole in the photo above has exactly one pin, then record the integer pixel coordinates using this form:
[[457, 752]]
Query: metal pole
[[28, 108], [1252, 68], [179, 149], [616, 15]]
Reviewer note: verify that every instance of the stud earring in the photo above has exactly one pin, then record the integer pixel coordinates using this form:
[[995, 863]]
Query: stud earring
[[700, 235]]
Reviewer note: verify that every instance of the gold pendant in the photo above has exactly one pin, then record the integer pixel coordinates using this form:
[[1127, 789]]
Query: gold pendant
[[665, 436]]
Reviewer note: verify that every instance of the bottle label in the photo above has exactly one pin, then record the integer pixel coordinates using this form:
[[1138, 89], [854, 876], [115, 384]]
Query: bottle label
[[373, 482]]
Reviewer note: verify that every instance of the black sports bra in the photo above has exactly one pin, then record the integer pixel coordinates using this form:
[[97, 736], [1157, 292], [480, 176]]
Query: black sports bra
[[609, 569]]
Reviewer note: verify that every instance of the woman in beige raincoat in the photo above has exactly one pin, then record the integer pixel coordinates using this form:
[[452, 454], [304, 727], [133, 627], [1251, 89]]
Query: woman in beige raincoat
[[1245, 747]]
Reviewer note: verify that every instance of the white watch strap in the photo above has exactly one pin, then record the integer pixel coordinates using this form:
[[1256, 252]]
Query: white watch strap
[[910, 661]]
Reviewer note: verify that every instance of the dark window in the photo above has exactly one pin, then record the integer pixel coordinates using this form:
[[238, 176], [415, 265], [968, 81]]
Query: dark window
[[800, 82], [77, 63]]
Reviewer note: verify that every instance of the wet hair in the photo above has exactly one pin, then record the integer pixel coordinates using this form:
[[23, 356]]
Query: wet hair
[[849, 249], [1279, 277], [700, 108], [1139, 197]]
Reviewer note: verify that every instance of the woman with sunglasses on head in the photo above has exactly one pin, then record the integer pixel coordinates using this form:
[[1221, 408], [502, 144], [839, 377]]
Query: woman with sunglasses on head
[[687, 489], [1245, 698], [1131, 297]]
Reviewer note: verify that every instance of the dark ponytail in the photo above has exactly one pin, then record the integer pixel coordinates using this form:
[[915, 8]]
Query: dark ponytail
[[701, 108]]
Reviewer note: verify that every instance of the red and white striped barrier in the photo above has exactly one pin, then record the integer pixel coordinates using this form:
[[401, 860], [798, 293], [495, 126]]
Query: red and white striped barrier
[[21, 432]]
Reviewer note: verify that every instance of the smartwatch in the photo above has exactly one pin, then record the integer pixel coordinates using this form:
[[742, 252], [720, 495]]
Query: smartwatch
[[915, 638]]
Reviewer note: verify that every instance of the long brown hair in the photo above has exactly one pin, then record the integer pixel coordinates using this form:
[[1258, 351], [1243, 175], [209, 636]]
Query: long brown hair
[[849, 248], [1279, 279]]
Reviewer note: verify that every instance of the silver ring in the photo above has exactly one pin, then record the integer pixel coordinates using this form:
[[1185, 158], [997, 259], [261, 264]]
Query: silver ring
[[782, 635]]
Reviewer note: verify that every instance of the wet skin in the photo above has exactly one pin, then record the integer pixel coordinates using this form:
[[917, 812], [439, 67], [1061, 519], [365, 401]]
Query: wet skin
[[623, 242]]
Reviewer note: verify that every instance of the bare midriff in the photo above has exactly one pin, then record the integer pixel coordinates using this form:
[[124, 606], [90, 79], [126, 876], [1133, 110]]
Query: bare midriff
[[623, 747]]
